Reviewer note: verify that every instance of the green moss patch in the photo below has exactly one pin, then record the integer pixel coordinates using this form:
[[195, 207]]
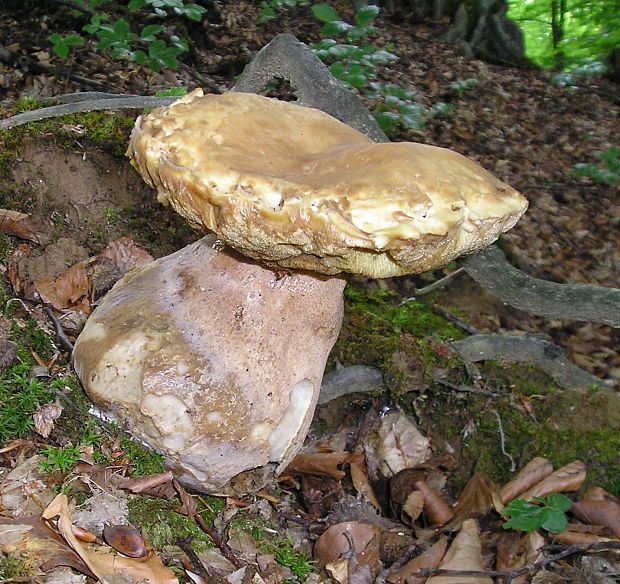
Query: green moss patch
[[405, 340]]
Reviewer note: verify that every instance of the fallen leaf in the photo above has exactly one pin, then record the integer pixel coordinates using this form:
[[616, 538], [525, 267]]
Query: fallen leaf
[[534, 471], [599, 507], [321, 463], [18, 224], [465, 553], [100, 562], [427, 559], [32, 538], [413, 506], [45, 417], [362, 484], [567, 478], [67, 290], [474, 501], [357, 544], [397, 444]]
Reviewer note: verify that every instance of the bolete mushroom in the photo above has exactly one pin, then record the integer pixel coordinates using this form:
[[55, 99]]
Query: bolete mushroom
[[216, 359]]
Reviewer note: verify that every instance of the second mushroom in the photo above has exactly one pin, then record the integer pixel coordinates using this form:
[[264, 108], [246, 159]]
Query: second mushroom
[[215, 359]]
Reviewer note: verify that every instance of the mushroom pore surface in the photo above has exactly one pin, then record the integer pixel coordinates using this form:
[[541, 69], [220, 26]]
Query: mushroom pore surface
[[295, 188]]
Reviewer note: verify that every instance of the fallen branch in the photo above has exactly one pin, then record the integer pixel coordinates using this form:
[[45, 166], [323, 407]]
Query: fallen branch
[[563, 301], [287, 58], [528, 349]]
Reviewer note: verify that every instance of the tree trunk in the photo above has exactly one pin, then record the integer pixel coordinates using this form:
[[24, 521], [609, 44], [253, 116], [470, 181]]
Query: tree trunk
[[558, 11], [487, 33]]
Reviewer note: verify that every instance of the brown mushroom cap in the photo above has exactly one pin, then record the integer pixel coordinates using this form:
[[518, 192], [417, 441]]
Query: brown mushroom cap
[[295, 188]]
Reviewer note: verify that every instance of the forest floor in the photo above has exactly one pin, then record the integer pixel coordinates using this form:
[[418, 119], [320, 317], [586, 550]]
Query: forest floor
[[80, 194]]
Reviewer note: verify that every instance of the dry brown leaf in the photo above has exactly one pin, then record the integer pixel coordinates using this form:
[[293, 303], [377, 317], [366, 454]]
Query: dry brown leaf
[[32, 538], [126, 254], [567, 478], [474, 501], [45, 417], [21, 287], [100, 562], [357, 544], [19, 225], [427, 559], [570, 537], [67, 290], [413, 505], [604, 512], [362, 484], [515, 550], [397, 444], [321, 463], [436, 510], [465, 553], [534, 471]]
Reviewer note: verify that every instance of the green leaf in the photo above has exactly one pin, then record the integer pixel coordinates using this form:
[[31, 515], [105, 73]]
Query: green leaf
[[337, 70], [555, 521], [136, 4], [559, 502], [366, 14], [149, 32], [324, 13], [194, 12], [335, 28], [121, 28]]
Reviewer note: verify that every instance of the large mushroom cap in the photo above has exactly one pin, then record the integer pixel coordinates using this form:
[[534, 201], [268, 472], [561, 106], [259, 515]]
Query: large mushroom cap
[[295, 188]]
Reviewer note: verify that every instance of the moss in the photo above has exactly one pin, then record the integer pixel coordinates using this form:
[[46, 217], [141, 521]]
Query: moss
[[163, 526], [109, 131], [142, 460], [566, 425], [14, 566], [403, 340]]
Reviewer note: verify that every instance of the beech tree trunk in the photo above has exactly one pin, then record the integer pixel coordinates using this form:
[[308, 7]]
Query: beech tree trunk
[[480, 26]]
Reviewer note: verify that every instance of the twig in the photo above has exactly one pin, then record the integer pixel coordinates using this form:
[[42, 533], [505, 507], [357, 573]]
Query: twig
[[75, 6], [455, 320], [502, 442], [466, 388], [120, 102], [509, 575], [197, 566], [434, 286], [65, 343]]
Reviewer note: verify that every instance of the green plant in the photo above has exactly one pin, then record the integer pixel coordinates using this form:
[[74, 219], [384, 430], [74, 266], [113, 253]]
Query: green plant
[[20, 397], [589, 68], [286, 555], [61, 45], [606, 172], [153, 46], [59, 459], [395, 107], [549, 514], [269, 10], [353, 64], [459, 87]]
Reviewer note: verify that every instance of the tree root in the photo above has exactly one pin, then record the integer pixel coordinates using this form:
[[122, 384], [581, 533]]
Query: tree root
[[287, 58], [528, 349], [563, 301]]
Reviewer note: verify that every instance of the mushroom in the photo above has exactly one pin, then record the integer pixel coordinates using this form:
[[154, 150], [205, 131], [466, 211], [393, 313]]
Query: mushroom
[[215, 358]]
